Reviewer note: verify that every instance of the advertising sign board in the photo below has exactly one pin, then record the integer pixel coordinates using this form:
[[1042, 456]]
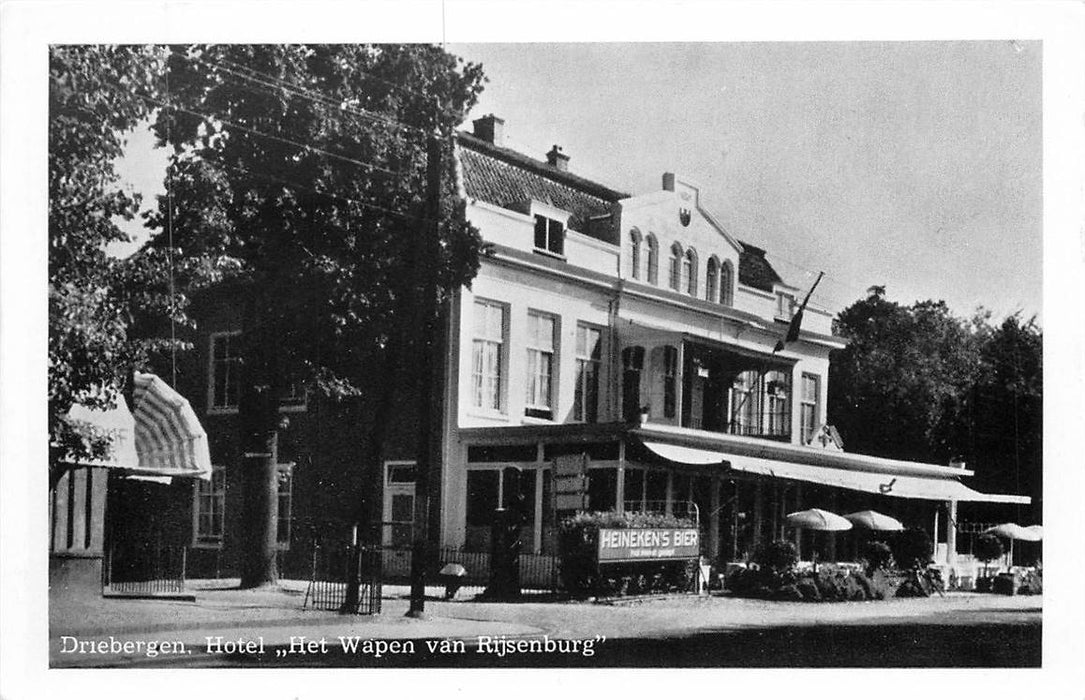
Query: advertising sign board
[[644, 544]]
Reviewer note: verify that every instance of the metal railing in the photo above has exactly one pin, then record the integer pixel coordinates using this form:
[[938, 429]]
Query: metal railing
[[144, 569]]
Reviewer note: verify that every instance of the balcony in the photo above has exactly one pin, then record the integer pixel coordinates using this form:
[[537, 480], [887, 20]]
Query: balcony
[[705, 386]]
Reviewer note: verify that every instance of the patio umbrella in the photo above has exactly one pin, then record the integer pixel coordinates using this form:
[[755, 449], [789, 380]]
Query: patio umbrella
[[1037, 530], [1013, 531], [817, 519], [873, 520]]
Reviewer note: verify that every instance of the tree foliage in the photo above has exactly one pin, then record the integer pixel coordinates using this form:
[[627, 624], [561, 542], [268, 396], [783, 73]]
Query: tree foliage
[[898, 387], [299, 172], [92, 106], [299, 175], [916, 382]]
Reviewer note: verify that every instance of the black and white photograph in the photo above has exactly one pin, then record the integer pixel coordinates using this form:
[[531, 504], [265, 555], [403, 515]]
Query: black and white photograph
[[539, 351]]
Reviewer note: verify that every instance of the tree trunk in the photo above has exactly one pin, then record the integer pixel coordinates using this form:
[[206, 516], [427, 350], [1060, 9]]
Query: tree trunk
[[258, 417]]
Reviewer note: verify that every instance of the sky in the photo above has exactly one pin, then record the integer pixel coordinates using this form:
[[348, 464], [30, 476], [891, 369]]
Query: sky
[[912, 165]]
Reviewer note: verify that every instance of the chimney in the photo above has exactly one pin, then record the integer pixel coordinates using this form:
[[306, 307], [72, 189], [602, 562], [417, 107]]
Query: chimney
[[490, 128], [557, 159]]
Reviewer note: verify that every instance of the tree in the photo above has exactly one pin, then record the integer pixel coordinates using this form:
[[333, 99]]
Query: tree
[[92, 106], [988, 549], [1001, 431], [300, 173], [898, 389]]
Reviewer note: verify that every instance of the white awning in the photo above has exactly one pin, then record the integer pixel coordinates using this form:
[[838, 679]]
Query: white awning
[[169, 438], [886, 484], [162, 438]]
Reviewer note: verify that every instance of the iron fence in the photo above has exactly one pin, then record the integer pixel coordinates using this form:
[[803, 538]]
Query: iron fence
[[144, 569], [345, 578]]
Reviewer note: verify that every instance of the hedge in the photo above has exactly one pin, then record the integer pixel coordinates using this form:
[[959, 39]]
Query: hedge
[[578, 542]]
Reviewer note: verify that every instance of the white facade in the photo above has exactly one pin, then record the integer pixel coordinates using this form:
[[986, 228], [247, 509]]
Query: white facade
[[524, 322]]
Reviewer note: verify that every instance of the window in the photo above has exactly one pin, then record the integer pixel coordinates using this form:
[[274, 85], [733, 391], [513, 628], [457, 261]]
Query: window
[[785, 305], [540, 365], [286, 502], [727, 284], [777, 406], [634, 254], [632, 364], [602, 489], [676, 267], [653, 260], [811, 389], [549, 235], [689, 273], [670, 380], [487, 356], [210, 508], [588, 361], [744, 403], [225, 371], [710, 278]]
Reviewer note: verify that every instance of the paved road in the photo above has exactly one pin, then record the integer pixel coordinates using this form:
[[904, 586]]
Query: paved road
[[955, 631]]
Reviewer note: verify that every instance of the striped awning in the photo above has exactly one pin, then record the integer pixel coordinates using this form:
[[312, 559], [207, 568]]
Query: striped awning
[[169, 438]]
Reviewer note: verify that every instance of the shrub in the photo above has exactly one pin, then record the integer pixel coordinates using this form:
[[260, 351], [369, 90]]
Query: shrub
[[779, 556], [912, 548], [988, 548], [578, 541], [1032, 583], [877, 555]]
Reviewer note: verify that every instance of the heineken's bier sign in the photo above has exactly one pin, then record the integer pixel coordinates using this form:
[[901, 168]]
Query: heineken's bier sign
[[637, 544]]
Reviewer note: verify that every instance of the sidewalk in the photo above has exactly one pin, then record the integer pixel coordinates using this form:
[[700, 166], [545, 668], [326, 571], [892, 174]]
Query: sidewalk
[[274, 616]]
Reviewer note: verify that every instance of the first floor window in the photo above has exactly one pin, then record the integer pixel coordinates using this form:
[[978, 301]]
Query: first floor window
[[211, 508], [670, 380], [540, 365], [486, 355], [809, 412], [225, 371], [588, 362]]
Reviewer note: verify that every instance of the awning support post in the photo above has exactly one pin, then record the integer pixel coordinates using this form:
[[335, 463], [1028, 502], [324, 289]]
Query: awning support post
[[714, 519], [951, 537]]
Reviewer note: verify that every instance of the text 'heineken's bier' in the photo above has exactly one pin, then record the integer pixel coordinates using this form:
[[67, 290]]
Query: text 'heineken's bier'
[[648, 543]]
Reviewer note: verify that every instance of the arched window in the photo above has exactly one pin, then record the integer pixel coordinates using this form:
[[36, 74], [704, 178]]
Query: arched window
[[689, 273], [727, 284], [653, 260], [676, 267], [634, 254], [711, 278]]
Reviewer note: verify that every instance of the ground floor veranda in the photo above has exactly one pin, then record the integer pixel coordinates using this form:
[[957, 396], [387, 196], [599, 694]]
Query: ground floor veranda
[[738, 489]]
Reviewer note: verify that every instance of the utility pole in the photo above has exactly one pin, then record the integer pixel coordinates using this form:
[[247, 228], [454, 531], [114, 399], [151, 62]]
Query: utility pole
[[428, 345]]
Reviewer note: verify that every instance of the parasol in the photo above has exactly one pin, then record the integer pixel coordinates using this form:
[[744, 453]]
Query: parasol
[[1013, 531], [873, 520], [817, 519]]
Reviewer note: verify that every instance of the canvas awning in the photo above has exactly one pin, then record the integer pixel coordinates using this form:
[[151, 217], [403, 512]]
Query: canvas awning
[[161, 438], [879, 482]]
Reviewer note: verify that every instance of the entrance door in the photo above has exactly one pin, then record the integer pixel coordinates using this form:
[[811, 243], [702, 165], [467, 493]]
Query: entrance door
[[398, 514]]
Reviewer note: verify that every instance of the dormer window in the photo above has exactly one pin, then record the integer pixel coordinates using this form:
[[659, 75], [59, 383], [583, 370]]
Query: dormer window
[[549, 235], [785, 305]]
